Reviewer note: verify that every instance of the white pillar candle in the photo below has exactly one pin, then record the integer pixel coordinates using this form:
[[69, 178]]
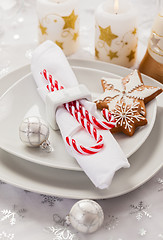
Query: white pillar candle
[[155, 43], [116, 32], [59, 22]]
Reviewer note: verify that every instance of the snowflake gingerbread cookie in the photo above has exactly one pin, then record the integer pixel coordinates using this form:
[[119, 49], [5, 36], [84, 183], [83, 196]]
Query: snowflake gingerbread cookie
[[130, 89], [127, 117]]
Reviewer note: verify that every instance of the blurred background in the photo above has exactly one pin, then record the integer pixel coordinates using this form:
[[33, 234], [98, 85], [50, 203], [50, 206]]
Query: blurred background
[[19, 30]]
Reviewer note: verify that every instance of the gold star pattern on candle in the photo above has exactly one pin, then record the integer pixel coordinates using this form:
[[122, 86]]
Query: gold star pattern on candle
[[134, 32], [70, 20], [131, 55], [60, 44], [43, 29], [75, 36], [96, 53], [106, 35], [112, 55]]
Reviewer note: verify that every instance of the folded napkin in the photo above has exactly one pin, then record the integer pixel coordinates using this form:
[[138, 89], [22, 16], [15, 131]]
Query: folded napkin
[[99, 167]]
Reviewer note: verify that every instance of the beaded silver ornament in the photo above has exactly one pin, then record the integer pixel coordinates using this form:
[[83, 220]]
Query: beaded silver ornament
[[34, 132], [86, 216]]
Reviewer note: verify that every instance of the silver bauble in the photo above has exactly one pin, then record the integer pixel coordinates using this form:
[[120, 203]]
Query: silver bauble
[[86, 216], [33, 131]]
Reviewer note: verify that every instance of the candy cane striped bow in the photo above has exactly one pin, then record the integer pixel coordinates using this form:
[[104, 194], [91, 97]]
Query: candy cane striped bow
[[83, 117]]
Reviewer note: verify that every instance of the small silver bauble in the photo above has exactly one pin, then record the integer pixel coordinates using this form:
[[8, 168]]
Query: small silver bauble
[[34, 132], [86, 216]]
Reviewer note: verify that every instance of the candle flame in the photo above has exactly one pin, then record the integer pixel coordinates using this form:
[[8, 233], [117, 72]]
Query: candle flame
[[116, 6]]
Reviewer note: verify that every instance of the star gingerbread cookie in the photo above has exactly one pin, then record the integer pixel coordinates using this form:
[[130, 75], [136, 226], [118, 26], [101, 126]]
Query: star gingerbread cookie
[[130, 89], [127, 117]]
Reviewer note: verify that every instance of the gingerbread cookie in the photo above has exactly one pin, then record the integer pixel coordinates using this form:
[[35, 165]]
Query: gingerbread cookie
[[127, 117], [128, 89]]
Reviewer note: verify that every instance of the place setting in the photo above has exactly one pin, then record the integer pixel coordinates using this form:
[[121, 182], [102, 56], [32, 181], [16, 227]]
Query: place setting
[[81, 129]]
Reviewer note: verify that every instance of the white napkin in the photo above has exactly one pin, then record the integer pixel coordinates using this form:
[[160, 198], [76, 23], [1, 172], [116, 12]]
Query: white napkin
[[99, 167]]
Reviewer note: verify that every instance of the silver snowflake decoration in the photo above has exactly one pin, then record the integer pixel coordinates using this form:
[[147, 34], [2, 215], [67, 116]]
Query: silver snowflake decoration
[[5, 236], [50, 200], [140, 210], [10, 215], [60, 233], [160, 181], [111, 222], [142, 232]]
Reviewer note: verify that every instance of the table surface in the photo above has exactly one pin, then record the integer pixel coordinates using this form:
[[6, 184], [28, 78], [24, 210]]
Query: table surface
[[27, 215]]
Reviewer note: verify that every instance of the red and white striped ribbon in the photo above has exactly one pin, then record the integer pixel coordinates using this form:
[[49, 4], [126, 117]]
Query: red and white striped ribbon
[[83, 117]]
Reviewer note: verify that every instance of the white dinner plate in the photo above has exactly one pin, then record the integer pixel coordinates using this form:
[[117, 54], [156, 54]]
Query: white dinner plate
[[73, 184], [22, 100]]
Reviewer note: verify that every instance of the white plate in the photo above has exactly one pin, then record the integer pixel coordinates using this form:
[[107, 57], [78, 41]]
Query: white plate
[[71, 184], [22, 100]]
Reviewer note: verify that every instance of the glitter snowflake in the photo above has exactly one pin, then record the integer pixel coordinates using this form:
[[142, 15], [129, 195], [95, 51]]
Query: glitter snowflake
[[111, 222], [140, 210], [10, 215], [51, 200], [60, 233], [160, 181], [4, 235]]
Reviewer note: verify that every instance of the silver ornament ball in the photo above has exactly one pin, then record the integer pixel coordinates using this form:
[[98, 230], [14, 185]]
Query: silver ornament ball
[[33, 131], [86, 216]]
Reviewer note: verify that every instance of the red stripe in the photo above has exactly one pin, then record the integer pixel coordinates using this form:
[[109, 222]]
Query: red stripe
[[67, 140], [87, 150], [74, 145], [95, 133], [100, 139], [89, 127], [47, 86], [56, 85], [110, 125], [98, 146], [50, 79], [44, 73]]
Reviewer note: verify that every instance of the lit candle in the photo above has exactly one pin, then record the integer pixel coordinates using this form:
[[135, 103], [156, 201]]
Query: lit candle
[[59, 22], [116, 33]]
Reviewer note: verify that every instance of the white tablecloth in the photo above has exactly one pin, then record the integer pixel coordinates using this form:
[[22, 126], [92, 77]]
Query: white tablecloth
[[27, 215]]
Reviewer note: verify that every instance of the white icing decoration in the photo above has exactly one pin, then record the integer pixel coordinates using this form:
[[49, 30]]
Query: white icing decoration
[[115, 82], [113, 103], [141, 94], [129, 91], [134, 81], [108, 93], [125, 115]]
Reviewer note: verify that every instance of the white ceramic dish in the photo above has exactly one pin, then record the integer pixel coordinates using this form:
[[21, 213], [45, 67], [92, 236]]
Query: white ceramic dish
[[72, 184], [22, 100]]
